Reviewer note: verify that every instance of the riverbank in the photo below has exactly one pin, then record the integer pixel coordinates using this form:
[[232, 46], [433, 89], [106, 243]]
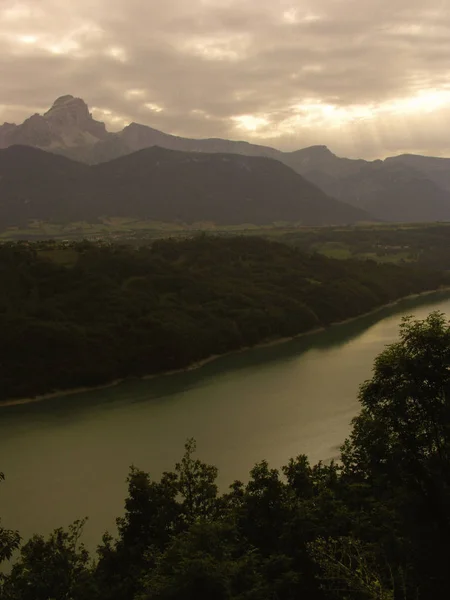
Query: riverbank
[[209, 359]]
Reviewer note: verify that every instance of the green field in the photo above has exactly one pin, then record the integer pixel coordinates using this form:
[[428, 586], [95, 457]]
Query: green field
[[426, 243]]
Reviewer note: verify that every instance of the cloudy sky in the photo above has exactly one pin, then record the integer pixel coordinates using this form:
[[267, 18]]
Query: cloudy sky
[[365, 77]]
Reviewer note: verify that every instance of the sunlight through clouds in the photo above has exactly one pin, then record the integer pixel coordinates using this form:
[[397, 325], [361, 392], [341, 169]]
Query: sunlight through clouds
[[117, 53], [295, 15], [110, 118], [135, 93], [250, 122], [426, 101], [231, 48], [365, 78], [28, 39], [75, 42], [312, 113], [15, 12], [153, 107]]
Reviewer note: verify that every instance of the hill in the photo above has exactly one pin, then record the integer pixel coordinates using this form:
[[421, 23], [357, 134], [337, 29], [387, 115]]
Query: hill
[[38, 185], [87, 314], [161, 185], [223, 188]]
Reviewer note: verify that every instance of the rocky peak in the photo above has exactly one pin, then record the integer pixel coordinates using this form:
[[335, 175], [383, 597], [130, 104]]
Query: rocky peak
[[67, 99], [68, 108], [70, 116], [67, 124]]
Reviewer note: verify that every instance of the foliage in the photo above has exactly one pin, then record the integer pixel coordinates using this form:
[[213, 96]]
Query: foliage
[[400, 443], [196, 485], [56, 568], [204, 563], [9, 540], [152, 309], [348, 570]]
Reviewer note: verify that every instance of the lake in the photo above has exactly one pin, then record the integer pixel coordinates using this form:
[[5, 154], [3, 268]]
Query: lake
[[68, 457]]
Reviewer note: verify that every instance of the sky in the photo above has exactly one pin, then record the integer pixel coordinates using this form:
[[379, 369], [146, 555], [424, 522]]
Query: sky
[[367, 78]]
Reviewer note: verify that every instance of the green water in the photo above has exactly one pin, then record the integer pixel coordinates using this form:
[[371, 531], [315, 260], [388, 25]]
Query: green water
[[68, 457]]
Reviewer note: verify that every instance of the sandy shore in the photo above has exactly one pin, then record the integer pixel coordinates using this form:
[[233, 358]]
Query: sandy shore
[[205, 361]]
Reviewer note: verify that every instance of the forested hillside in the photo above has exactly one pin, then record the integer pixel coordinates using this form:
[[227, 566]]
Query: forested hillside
[[85, 314], [374, 527]]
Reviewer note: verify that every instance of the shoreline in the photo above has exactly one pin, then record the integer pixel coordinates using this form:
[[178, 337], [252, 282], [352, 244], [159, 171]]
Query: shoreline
[[201, 363]]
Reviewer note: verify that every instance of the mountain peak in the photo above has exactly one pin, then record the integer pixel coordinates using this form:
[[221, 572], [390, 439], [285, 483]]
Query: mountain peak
[[69, 108], [319, 150], [67, 124], [133, 126], [64, 100], [70, 120]]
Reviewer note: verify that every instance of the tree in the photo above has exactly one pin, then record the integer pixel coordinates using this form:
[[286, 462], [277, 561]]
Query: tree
[[152, 517], [349, 570], [55, 568], [400, 444], [403, 431], [263, 508], [155, 513], [204, 563], [197, 485], [9, 540]]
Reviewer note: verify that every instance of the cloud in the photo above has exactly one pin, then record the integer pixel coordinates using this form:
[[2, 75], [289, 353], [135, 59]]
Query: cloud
[[367, 78]]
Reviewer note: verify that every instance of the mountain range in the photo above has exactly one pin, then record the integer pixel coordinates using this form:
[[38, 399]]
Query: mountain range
[[161, 185], [400, 188]]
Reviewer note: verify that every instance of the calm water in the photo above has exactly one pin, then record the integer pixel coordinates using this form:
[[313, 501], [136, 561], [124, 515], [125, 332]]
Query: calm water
[[68, 458]]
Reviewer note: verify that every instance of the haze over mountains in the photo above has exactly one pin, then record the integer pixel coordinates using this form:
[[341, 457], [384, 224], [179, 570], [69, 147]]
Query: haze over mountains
[[402, 188], [162, 185]]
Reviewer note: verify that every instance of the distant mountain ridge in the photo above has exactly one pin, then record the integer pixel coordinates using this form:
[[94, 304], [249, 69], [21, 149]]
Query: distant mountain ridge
[[400, 188], [162, 185], [391, 190]]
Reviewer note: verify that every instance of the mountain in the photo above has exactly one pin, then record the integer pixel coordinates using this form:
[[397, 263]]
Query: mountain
[[68, 128], [320, 159], [402, 188], [434, 168], [140, 136], [68, 124], [38, 185], [136, 137], [223, 188], [162, 185], [390, 190]]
